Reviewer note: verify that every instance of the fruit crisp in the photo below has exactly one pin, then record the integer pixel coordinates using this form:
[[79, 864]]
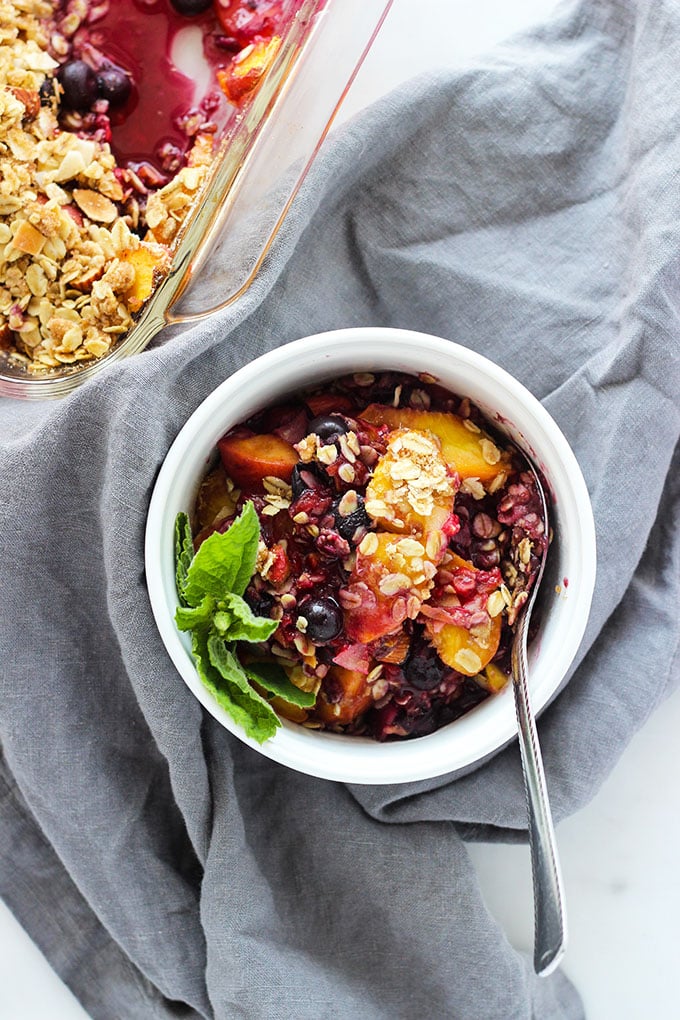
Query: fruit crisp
[[96, 178], [399, 537]]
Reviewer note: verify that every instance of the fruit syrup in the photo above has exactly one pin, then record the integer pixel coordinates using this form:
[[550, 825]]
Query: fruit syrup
[[140, 36]]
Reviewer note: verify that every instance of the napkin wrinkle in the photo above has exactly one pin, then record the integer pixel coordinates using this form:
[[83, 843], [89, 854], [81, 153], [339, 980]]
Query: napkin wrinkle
[[70, 933], [357, 934], [527, 208]]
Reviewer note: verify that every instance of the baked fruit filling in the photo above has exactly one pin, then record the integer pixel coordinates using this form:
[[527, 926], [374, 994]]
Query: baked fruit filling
[[104, 146], [399, 535]]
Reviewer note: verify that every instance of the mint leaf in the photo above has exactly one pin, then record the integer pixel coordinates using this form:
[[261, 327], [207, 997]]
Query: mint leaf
[[193, 617], [210, 588], [247, 533], [244, 625], [272, 678], [231, 617], [224, 677], [225, 561], [184, 553]]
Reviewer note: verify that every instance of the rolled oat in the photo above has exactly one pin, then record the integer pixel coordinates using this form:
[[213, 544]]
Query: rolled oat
[[81, 238], [65, 238]]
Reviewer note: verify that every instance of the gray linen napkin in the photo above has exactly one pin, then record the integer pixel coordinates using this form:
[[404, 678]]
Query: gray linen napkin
[[528, 208]]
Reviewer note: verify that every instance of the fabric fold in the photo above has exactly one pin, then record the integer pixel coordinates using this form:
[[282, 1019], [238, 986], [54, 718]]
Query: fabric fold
[[528, 208]]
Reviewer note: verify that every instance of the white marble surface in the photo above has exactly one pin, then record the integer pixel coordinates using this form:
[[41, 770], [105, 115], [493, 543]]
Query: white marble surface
[[619, 855]]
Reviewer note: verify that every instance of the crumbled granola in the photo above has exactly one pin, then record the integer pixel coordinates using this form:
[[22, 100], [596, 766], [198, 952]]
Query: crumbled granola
[[78, 256], [411, 479]]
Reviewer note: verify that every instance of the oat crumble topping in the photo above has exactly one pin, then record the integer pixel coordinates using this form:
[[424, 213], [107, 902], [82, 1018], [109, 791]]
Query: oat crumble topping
[[73, 266]]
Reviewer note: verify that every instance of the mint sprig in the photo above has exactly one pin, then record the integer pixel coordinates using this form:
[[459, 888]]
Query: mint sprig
[[210, 589], [225, 562], [273, 679], [184, 553], [223, 676]]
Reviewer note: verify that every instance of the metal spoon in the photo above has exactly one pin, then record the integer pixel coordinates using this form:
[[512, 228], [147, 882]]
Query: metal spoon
[[550, 924]]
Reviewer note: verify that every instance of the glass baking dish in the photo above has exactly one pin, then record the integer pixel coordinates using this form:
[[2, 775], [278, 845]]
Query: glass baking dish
[[261, 161]]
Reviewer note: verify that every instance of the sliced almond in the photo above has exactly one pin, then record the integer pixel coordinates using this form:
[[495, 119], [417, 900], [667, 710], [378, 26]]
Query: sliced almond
[[71, 165], [495, 603], [29, 99], [84, 283], [468, 661], [96, 207]]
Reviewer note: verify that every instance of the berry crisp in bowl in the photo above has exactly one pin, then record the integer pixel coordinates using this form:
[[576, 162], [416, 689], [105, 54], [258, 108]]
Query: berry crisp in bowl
[[338, 545]]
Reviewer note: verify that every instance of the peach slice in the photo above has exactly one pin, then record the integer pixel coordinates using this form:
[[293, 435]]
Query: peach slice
[[393, 577], [292, 712], [149, 263], [248, 68], [250, 458], [467, 651], [356, 697], [411, 490], [466, 449]]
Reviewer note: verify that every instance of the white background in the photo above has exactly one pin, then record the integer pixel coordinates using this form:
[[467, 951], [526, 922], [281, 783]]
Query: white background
[[620, 854]]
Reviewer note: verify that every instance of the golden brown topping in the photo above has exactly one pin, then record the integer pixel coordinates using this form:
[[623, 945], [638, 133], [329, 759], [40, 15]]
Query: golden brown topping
[[409, 481], [66, 248], [29, 99]]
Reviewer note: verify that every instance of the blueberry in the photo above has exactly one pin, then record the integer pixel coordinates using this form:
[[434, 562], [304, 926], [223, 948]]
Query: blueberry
[[79, 83], [114, 84], [261, 602], [423, 668], [304, 477], [328, 426], [324, 619], [346, 526], [190, 8]]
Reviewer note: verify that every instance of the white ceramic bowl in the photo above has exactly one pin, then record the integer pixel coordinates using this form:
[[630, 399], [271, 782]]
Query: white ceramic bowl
[[568, 584]]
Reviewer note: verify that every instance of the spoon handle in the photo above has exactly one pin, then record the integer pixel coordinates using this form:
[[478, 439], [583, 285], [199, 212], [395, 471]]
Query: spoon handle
[[550, 925]]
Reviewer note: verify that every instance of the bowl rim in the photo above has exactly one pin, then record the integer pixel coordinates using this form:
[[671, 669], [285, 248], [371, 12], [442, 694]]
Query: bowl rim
[[324, 754]]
